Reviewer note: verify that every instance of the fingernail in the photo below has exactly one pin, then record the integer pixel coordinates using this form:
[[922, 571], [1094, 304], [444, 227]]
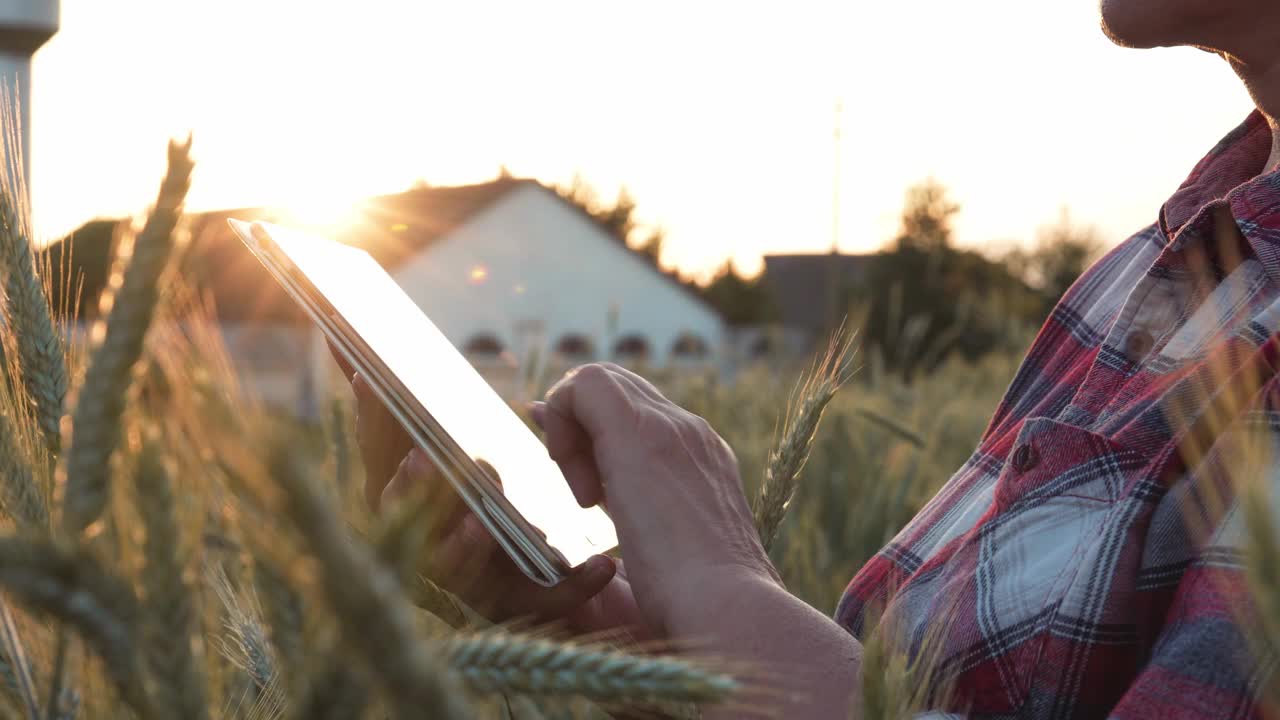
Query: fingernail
[[417, 461], [538, 411], [597, 567]]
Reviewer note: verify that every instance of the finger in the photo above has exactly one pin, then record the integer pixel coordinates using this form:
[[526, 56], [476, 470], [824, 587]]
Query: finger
[[569, 446], [383, 443], [472, 564], [642, 385], [463, 559], [596, 399], [417, 475], [348, 370], [583, 583]]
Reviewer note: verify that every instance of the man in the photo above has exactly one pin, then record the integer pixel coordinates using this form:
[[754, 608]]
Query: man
[[1057, 574]]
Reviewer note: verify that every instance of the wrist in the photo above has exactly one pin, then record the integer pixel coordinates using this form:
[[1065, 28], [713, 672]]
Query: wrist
[[722, 602]]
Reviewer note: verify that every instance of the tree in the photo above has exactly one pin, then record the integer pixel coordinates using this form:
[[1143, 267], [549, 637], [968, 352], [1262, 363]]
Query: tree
[[618, 217], [1062, 252], [926, 218], [742, 300], [926, 299]]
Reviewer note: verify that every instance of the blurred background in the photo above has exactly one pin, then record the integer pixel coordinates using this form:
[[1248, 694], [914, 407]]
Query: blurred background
[[708, 192], [945, 170], [760, 156], [704, 191]]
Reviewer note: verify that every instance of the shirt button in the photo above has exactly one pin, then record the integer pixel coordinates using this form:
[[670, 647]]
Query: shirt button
[[1025, 458], [1137, 344]]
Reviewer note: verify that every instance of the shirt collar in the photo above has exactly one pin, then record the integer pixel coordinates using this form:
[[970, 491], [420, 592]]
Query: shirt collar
[[1229, 175], [1231, 168]]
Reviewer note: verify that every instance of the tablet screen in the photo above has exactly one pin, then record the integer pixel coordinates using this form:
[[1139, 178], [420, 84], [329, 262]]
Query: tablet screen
[[448, 388]]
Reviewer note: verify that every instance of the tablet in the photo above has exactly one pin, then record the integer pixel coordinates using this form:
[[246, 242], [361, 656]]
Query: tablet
[[486, 452]]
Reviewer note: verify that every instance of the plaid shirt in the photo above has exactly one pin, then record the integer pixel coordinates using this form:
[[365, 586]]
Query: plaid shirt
[[1077, 565]]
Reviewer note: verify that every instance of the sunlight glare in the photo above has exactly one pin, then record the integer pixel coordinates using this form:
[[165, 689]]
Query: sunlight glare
[[326, 216]]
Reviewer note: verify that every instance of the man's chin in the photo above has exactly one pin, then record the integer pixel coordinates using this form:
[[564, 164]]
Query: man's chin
[[1123, 32], [1129, 26]]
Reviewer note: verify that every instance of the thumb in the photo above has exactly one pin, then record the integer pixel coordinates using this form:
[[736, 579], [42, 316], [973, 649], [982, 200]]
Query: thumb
[[583, 583]]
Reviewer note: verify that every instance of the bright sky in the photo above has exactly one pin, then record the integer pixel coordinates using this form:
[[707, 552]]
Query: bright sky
[[717, 115]]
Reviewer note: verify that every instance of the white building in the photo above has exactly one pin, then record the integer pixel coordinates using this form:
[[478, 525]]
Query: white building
[[25, 25], [524, 282]]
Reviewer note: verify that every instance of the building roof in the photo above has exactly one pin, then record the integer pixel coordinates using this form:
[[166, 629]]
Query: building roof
[[804, 287], [392, 228]]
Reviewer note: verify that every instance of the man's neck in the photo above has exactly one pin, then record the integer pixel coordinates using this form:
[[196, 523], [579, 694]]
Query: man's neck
[[1260, 73]]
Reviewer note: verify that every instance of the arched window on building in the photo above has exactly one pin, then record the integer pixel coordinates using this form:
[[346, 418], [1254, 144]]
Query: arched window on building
[[483, 345], [631, 348], [575, 348], [761, 347], [689, 347]]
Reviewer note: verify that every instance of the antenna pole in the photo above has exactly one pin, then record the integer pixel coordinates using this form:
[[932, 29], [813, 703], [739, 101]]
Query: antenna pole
[[835, 178]]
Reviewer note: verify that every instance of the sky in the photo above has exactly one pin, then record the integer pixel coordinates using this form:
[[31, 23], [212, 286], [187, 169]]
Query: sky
[[718, 117]]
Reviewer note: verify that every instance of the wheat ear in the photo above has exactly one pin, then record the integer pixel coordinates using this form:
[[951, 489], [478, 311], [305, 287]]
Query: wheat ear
[[376, 619], [131, 298], [245, 643], [71, 586], [496, 661], [282, 609], [169, 599], [41, 353], [787, 459], [19, 493]]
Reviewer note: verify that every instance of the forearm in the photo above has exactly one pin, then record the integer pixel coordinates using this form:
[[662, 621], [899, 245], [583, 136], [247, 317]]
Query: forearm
[[810, 666]]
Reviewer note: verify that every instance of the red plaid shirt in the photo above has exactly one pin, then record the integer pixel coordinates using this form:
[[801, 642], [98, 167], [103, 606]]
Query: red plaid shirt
[[1060, 573]]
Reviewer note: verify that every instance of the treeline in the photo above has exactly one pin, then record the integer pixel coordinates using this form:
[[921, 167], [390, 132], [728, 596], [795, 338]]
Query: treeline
[[923, 298], [920, 300]]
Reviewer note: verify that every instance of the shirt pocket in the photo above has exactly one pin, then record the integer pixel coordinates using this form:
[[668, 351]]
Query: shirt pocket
[[1051, 527]]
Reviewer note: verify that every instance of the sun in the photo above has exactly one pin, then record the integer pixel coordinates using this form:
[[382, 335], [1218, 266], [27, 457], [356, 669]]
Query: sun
[[328, 215]]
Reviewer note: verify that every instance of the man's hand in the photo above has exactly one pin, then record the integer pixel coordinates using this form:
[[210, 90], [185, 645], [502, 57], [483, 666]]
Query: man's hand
[[670, 484], [695, 569]]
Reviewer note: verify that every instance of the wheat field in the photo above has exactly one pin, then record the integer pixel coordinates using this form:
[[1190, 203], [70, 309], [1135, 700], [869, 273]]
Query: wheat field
[[171, 548]]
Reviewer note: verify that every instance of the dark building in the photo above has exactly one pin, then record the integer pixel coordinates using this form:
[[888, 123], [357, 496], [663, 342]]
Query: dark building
[[809, 291]]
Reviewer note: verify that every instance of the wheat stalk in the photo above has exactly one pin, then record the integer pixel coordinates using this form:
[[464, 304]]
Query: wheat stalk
[[496, 661], [168, 598], [132, 298], [376, 619], [71, 586], [41, 353], [338, 692], [893, 426], [1263, 570], [787, 459], [17, 671], [399, 542]]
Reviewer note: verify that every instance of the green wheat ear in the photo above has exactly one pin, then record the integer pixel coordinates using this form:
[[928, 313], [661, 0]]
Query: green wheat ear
[[130, 302], [41, 352], [168, 599], [497, 661], [787, 459]]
